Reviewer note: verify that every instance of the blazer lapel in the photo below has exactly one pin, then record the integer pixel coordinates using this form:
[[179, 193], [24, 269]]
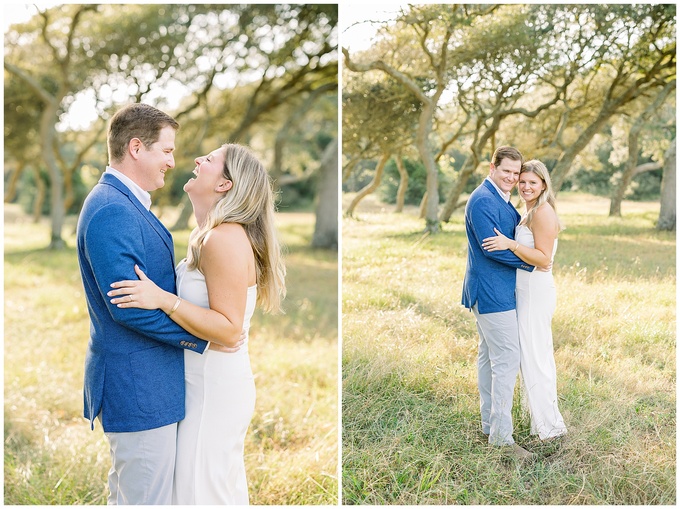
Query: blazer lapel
[[513, 211], [163, 232], [507, 205], [148, 215]]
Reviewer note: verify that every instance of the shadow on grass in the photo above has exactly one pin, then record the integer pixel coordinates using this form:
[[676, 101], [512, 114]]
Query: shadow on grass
[[46, 257], [457, 318]]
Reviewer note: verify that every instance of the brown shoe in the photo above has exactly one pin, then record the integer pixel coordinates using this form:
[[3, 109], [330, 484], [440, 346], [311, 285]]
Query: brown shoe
[[518, 453], [559, 439]]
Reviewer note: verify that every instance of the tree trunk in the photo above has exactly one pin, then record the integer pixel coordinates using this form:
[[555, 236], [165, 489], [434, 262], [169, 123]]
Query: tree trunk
[[372, 185], [11, 191], [429, 104], [609, 109], [326, 225], [668, 192], [287, 129], [69, 193], [470, 165], [636, 171], [47, 130], [631, 166], [432, 181], [185, 211], [403, 183], [627, 175], [563, 166], [349, 167], [451, 203], [48, 121], [422, 206], [40, 193]]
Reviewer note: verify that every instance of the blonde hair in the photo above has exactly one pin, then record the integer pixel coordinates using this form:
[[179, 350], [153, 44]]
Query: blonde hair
[[250, 203], [547, 195]]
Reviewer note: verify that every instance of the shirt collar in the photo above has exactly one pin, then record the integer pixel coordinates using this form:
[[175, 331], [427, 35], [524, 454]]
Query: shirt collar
[[505, 196], [143, 196]]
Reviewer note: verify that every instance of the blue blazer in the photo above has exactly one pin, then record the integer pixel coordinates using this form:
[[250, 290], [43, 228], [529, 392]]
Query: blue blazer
[[490, 276], [134, 367]]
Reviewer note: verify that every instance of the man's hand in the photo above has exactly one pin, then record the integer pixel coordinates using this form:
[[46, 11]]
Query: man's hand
[[230, 349], [545, 269]]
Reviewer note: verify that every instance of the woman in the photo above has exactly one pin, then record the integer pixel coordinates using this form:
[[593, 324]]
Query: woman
[[535, 243], [233, 263]]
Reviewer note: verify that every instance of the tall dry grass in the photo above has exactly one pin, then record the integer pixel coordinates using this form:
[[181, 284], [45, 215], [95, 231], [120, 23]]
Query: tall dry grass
[[410, 411], [52, 457]]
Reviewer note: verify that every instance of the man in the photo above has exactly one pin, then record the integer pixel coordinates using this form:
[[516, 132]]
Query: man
[[489, 291], [134, 368]]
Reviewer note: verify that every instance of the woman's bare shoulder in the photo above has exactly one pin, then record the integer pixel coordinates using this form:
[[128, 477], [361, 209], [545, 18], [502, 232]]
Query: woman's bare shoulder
[[226, 240], [545, 211], [226, 232], [545, 217]]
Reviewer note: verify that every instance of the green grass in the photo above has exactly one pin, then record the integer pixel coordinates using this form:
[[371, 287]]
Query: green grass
[[410, 406], [52, 457]]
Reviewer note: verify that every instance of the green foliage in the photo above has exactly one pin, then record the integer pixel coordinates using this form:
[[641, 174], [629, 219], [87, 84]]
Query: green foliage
[[416, 184], [22, 112], [298, 195], [547, 78], [27, 199], [600, 182], [448, 174], [646, 186], [221, 70], [377, 117], [51, 456], [410, 404], [417, 175]]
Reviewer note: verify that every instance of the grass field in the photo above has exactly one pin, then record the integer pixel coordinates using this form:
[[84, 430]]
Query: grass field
[[52, 457], [410, 406]]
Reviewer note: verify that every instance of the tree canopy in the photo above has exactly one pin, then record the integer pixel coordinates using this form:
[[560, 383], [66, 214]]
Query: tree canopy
[[548, 79], [226, 72]]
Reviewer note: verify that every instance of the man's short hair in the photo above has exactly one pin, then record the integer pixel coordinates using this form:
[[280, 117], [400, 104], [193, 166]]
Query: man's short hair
[[506, 152], [136, 121]]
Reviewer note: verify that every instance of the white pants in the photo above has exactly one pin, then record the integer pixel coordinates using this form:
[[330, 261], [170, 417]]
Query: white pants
[[497, 369], [143, 465]]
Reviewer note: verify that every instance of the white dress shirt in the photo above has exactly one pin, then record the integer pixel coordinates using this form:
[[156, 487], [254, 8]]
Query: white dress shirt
[[505, 196], [143, 196]]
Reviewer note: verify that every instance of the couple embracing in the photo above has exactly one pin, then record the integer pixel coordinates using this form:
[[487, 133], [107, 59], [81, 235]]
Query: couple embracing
[[167, 371], [510, 289]]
